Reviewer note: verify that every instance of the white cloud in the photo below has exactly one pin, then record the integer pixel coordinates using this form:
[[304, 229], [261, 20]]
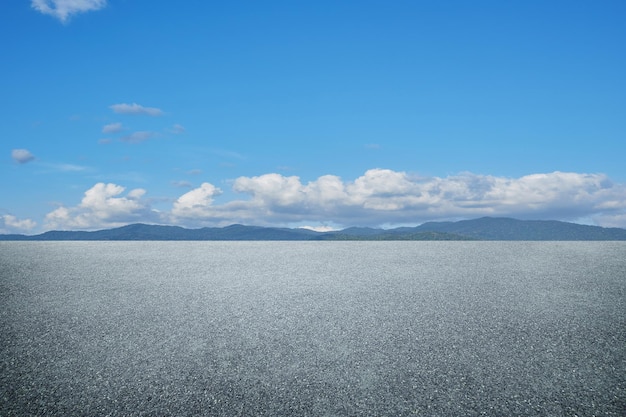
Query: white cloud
[[389, 197], [102, 207], [272, 190], [63, 9], [196, 203], [11, 224], [135, 108], [22, 156], [376, 198], [112, 128]]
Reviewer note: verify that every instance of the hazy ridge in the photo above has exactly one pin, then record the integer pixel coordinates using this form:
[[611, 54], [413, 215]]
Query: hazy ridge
[[485, 228]]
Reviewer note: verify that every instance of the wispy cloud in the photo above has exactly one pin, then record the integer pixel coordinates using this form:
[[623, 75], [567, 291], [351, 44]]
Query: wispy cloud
[[225, 153], [61, 167], [112, 128], [64, 9], [135, 108], [138, 137], [177, 129], [22, 156], [68, 167], [181, 184]]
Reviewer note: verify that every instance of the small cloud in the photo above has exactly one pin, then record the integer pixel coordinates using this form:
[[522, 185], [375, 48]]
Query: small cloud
[[372, 146], [104, 141], [137, 137], [177, 129], [22, 156], [194, 172], [135, 108], [112, 128], [63, 9], [11, 222], [181, 184], [196, 202]]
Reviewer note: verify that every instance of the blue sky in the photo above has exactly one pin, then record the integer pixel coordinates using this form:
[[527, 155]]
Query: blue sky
[[323, 114]]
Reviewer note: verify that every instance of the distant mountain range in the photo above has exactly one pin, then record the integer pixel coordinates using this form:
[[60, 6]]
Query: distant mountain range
[[485, 228]]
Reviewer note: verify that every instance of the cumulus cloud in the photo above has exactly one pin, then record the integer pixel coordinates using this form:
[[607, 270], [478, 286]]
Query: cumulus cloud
[[196, 203], [22, 156], [382, 196], [272, 190], [379, 197], [135, 108], [63, 9], [11, 224], [112, 128], [102, 206]]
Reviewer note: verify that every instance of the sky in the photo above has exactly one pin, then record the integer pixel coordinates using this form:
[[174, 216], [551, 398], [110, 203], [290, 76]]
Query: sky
[[318, 114]]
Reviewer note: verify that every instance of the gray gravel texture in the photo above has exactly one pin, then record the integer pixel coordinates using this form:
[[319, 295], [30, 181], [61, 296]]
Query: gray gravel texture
[[313, 328]]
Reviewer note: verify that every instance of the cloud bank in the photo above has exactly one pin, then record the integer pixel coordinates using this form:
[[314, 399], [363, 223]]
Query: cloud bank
[[135, 108], [380, 197], [64, 9]]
